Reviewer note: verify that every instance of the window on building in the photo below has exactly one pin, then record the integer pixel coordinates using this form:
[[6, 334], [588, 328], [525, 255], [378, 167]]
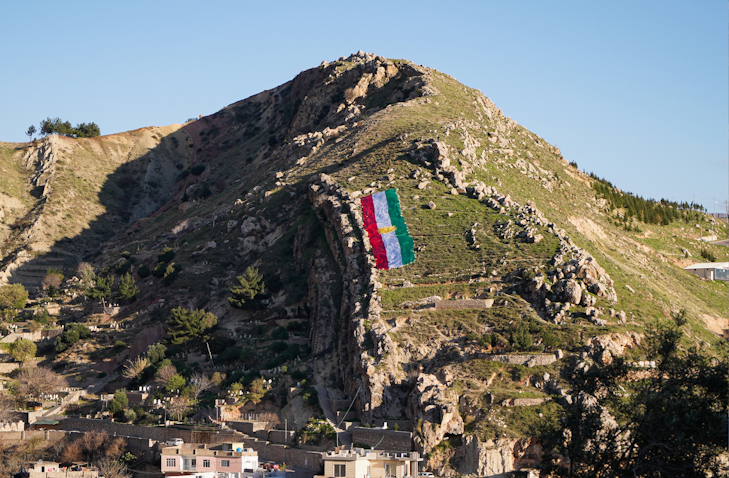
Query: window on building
[[170, 462], [340, 470], [224, 462], [193, 462], [389, 470], [206, 463]]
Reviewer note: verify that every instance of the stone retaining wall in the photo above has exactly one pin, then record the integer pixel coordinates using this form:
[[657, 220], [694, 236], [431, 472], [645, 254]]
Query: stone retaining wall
[[523, 402], [155, 433], [463, 304], [528, 360]]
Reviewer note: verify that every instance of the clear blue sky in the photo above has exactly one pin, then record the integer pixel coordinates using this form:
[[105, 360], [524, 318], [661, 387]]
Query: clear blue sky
[[635, 91]]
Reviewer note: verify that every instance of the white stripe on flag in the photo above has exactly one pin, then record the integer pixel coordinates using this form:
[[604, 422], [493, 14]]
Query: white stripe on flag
[[382, 210], [392, 247]]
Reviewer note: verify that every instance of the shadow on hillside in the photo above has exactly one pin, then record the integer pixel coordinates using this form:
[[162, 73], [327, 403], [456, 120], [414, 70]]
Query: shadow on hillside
[[124, 194]]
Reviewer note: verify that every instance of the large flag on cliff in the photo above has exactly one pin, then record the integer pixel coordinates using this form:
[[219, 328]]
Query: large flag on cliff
[[389, 236]]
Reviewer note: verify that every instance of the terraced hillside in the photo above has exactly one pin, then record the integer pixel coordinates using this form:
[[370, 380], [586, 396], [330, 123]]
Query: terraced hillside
[[519, 261]]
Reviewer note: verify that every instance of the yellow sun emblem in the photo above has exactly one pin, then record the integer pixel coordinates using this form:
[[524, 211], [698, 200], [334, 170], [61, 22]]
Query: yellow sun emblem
[[385, 230]]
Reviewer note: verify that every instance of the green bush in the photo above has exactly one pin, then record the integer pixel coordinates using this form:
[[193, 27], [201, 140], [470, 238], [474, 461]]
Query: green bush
[[485, 340], [280, 333], [72, 333], [230, 354], [143, 271], [197, 169], [159, 270], [550, 339], [171, 272], [278, 347], [296, 326], [166, 255], [708, 255]]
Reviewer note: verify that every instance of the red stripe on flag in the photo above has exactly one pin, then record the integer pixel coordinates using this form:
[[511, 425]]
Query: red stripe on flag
[[370, 223]]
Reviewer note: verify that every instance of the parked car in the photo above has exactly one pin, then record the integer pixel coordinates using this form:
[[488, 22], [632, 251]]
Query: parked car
[[174, 441]]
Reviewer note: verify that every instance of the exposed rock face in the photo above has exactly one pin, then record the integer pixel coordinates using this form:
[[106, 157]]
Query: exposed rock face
[[605, 347], [489, 458], [437, 406]]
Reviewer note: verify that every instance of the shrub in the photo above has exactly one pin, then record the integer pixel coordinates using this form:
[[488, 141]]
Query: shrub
[[197, 169], [550, 339], [296, 326], [143, 271], [708, 255], [23, 350], [229, 354], [166, 255], [130, 415], [159, 270], [71, 334], [280, 333], [171, 273], [278, 347], [521, 338], [485, 340]]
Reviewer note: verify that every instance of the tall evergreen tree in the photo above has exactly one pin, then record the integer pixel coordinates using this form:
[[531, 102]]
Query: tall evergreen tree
[[250, 286], [127, 289]]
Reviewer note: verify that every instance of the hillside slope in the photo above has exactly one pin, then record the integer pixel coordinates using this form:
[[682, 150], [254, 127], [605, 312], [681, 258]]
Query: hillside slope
[[506, 233]]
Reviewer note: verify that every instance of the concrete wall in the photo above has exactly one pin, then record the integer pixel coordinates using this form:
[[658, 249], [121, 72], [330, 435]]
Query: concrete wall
[[281, 436], [387, 439], [351, 416]]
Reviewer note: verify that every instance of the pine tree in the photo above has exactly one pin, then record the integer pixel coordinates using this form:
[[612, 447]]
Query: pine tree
[[127, 288], [251, 286], [186, 324], [102, 289]]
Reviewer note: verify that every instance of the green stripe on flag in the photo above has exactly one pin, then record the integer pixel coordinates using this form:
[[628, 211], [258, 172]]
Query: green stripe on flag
[[403, 236]]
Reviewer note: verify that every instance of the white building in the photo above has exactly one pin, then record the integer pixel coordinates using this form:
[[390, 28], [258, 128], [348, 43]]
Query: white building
[[710, 270]]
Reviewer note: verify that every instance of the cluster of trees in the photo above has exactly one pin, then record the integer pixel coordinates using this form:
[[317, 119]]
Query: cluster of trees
[[58, 126], [672, 423], [647, 211], [72, 333], [124, 290], [165, 268]]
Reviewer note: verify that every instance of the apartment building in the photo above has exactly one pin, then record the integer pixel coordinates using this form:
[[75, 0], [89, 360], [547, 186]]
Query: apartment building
[[361, 463], [229, 460]]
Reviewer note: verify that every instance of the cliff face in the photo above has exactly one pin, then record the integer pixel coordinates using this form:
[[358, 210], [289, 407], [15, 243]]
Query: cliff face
[[514, 250]]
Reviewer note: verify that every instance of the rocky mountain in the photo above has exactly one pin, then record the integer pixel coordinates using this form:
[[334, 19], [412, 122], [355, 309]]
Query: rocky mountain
[[519, 264]]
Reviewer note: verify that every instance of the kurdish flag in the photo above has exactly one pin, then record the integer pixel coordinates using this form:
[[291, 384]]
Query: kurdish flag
[[389, 236]]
